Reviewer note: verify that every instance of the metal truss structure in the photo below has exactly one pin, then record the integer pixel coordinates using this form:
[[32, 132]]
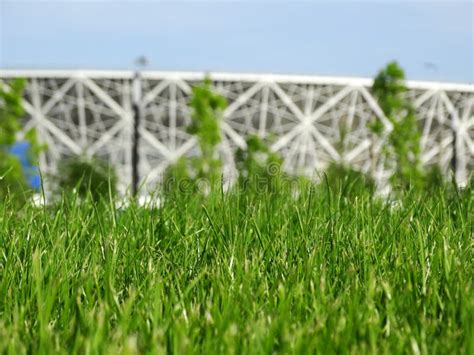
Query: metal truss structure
[[311, 121]]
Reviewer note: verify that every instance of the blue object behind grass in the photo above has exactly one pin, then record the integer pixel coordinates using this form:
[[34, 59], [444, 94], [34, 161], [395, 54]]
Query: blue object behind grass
[[20, 150]]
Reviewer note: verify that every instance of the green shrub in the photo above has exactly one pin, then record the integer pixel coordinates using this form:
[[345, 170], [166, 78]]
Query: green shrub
[[88, 177], [434, 179], [260, 169], [177, 179], [13, 182], [347, 182]]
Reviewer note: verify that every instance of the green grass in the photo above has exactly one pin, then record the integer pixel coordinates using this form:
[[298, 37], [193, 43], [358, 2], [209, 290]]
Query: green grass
[[323, 272]]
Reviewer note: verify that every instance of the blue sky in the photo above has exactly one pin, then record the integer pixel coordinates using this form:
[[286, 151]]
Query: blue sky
[[431, 40]]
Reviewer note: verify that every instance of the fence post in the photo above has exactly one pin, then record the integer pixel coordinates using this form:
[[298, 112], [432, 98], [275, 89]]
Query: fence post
[[136, 105]]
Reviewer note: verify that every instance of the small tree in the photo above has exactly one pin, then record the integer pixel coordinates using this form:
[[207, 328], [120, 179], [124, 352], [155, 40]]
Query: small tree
[[403, 144], [207, 108], [12, 177]]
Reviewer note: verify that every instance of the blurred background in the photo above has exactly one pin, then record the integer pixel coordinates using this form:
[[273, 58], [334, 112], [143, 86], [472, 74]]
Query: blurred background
[[312, 121]]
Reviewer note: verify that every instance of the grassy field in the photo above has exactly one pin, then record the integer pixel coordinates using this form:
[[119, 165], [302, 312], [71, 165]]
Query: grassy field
[[324, 272]]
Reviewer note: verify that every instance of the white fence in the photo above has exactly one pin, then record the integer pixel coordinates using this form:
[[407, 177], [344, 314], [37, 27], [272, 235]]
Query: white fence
[[312, 121]]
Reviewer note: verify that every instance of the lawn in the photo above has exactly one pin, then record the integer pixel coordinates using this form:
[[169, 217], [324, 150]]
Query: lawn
[[321, 271]]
